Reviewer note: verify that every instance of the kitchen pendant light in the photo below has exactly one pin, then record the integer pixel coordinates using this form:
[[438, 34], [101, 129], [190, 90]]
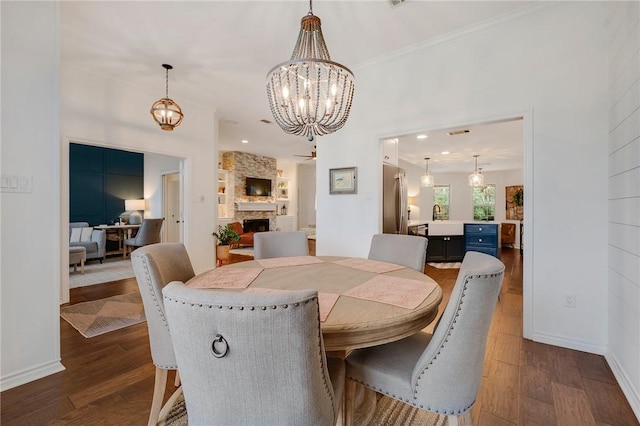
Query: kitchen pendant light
[[426, 180], [166, 112], [476, 178], [310, 95]]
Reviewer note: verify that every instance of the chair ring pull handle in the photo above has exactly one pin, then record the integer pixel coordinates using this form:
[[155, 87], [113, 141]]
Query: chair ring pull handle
[[219, 342]]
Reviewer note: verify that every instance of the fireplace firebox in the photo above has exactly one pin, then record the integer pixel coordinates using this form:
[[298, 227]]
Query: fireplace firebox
[[255, 225]]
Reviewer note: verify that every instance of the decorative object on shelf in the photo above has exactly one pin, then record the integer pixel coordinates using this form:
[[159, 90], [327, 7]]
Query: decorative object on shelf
[[310, 95], [476, 178], [343, 181], [225, 236], [135, 207], [279, 173], [165, 111], [426, 180]]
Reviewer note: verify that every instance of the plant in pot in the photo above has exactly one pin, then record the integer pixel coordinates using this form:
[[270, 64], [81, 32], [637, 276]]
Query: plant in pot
[[224, 237]]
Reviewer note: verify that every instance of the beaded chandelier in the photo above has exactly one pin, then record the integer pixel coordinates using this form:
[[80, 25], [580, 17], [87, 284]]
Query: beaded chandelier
[[310, 95]]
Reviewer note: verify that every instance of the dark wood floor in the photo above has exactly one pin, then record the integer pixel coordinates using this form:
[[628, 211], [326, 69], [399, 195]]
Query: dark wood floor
[[109, 379]]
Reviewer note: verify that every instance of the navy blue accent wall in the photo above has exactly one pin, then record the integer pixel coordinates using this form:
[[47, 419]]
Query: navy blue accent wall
[[100, 179]]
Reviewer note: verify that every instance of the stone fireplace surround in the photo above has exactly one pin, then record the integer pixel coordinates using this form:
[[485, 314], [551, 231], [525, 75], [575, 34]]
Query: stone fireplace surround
[[241, 165]]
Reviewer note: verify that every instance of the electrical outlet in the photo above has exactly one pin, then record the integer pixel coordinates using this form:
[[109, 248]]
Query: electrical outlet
[[570, 300]]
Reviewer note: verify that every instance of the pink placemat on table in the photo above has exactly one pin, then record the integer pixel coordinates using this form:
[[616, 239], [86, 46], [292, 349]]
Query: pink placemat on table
[[369, 265], [226, 278], [401, 292], [326, 301], [280, 262]]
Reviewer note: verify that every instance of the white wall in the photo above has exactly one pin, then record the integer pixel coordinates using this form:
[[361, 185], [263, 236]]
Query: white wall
[[306, 195], [155, 166], [30, 222], [519, 67], [624, 199], [414, 191]]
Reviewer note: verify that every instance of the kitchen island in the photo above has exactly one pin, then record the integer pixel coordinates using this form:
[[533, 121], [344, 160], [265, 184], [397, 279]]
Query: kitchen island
[[449, 240]]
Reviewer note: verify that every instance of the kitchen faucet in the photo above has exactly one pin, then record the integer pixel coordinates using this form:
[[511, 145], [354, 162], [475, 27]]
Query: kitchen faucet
[[436, 211]]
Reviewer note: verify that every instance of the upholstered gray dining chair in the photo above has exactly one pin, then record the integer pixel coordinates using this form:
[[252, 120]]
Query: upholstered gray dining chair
[[253, 358], [271, 244], [440, 372], [148, 233], [406, 250], [155, 266]]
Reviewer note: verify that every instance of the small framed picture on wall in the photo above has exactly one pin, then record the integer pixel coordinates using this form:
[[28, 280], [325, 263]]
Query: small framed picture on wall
[[343, 181]]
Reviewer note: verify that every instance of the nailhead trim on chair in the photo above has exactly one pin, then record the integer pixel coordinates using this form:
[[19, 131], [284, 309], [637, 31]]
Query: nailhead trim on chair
[[147, 275], [451, 327], [327, 388]]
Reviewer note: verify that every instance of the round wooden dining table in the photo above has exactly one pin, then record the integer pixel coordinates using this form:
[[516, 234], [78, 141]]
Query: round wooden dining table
[[362, 302]]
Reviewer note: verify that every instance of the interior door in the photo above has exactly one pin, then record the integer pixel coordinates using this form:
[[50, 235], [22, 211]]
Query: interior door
[[172, 208]]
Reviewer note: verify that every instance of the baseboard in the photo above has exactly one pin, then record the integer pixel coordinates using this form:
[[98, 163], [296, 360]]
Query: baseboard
[[564, 342], [632, 395], [30, 374]]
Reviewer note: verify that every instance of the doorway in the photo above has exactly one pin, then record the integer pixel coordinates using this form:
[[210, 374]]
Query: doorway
[[447, 164], [172, 207], [155, 166]]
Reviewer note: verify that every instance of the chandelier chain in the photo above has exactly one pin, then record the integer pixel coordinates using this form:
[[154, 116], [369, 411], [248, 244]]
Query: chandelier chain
[[166, 84]]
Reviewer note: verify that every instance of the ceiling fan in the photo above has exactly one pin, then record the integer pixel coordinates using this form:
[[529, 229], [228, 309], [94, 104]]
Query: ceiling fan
[[308, 157]]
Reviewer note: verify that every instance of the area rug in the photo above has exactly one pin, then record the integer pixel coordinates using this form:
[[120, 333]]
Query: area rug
[[389, 412], [104, 315], [445, 265], [98, 273]]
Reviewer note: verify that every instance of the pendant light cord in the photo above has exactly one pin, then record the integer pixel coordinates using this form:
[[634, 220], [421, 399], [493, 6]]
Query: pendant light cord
[[166, 83], [310, 8]]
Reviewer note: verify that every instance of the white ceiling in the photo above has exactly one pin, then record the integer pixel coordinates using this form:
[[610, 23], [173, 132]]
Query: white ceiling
[[499, 146], [222, 50]]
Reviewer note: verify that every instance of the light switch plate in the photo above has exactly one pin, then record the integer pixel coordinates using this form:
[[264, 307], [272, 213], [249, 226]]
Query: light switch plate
[[16, 184]]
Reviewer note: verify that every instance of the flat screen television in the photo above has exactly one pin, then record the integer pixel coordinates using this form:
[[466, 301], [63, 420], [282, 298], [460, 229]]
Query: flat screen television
[[258, 187]]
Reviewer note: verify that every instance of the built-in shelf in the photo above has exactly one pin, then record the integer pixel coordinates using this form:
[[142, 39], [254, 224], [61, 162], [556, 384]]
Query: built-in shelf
[[282, 188], [255, 207]]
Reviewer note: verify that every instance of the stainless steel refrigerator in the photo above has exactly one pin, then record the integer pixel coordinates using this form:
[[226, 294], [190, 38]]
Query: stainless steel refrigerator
[[394, 200]]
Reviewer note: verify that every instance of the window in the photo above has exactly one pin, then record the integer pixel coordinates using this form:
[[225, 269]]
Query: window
[[484, 202], [441, 202]]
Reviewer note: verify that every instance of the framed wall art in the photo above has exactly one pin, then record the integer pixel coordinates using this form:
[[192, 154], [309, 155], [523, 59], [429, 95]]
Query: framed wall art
[[343, 181]]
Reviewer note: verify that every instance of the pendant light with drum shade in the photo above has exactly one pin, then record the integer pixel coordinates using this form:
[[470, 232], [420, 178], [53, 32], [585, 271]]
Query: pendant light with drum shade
[[426, 180], [310, 95], [165, 111], [476, 178]]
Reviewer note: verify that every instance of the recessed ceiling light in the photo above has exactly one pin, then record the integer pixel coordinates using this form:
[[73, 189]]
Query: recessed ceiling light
[[245, 141], [445, 153], [422, 136]]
